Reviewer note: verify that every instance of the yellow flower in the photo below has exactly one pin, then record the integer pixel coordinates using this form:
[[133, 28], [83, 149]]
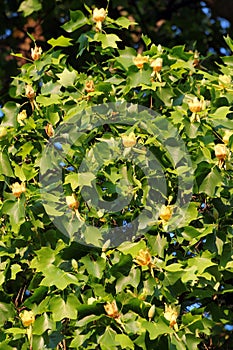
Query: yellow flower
[[157, 64], [49, 130], [165, 213], [139, 61], [143, 258], [18, 189], [36, 52], [99, 16], [171, 313], [21, 117], [72, 201], [30, 93], [89, 86], [220, 151], [227, 135], [111, 309], [129, 140], [3, 131], [27, 318], [195, 106]]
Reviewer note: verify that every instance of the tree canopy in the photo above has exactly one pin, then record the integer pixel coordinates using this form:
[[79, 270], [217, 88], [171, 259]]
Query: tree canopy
[[197, 24], [116, 185]]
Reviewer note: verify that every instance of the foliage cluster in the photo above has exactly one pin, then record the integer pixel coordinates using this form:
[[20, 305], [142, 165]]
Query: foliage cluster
[[168, 289]]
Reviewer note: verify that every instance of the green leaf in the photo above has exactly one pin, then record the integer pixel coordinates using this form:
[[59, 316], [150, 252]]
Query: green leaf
[[107, 40], [51, 210], [107, 341], [124, 341], [5, 166], [211, 182], [85, 179], [79, 339], [48, 101], [124, 22], [158, 245], [139, 78], [60, 41], [42, 324], [67, 78], [16, 212], [201, 263], [16, 330], [229, 41], [132, 248], [57, 277], [15, 268], [29, 6], [157, 329], [77, 20], [220, 113], [7, 311], [61, 309], [44, 258], [92, 236], [73, 180], [125, 58], [26, 149], [10, 110], [146, 39], [94, 267], [133, 279]]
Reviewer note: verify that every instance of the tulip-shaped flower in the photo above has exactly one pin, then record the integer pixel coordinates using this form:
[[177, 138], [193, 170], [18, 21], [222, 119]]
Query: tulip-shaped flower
[[165, 213], [21, 117], [18, 189], [129, 140], [111, 309], [171, 314], [139, 60], [99, 16], [220, 153], [36, 52]]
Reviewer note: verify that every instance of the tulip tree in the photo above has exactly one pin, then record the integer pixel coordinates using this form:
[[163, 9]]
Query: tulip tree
[[169, 285]]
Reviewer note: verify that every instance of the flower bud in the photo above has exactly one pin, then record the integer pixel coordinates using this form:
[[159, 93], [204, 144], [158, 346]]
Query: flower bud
[[165, 213], [195, 106], [227, 135], [72, 201], [220, 151], [89, 86], [139, 61], [3, 131], [143, 258], [111, 309], [36, 52], [74, 264], [27, 318], [30, 93], [151, 312], [129, 140], [196, 60], [21, 117], [49, 130], [18, 189]]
